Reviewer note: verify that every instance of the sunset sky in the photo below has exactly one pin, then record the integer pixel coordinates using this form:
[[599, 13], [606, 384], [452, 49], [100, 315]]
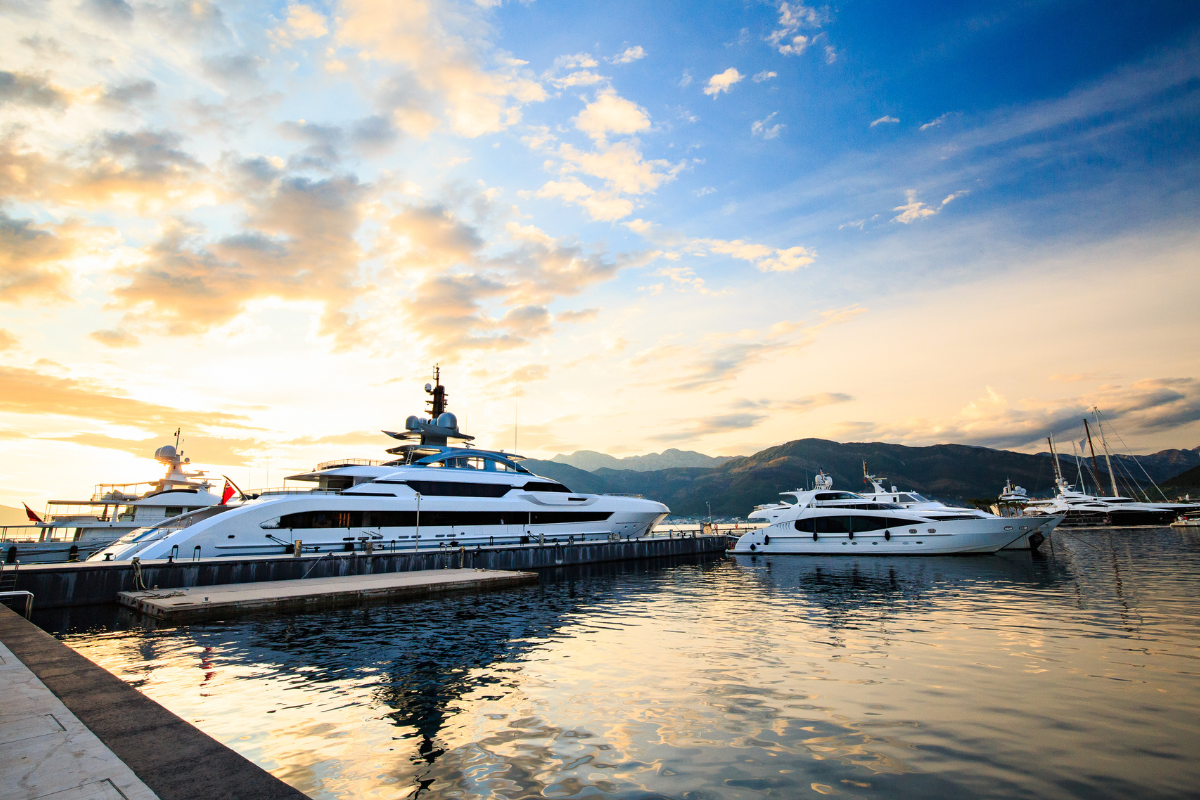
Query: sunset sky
[[625, 226]]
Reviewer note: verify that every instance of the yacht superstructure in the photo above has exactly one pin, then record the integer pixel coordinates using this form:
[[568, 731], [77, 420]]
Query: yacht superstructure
[[74, 529], [1031, 539], [822, 521], [437, 491]]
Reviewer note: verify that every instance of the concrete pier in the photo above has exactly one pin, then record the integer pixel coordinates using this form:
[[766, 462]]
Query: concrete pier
[[220, 602], [99, 582], [70, 730]]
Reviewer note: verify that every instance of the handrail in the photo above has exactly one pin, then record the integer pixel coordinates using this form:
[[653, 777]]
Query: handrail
[[621, 494], [291, 490], [349, 462], [28, 600]]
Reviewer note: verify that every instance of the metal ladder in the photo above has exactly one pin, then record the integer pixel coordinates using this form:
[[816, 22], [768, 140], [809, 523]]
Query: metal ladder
[[8, 586]]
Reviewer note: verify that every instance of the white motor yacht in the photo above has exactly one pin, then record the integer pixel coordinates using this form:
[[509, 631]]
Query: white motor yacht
[[72, 530], [1031, 539], [822, 521], [433, 494]]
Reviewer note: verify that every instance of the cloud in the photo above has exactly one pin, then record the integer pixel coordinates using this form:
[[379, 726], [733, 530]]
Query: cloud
[[722, 423], [621, 166], [126, 94], [17, 88], [298, 244], [914, 209], [431, 236], [577, 61], [793, 17], [711, 361], [629, 55], [438, 66], [936, 122], [8, 340], [611, 113], [31, 260], [602, 206], [884, 120], [722, 82], [704, 190], [117, 13], [24, 391], [686, 80], [765, 75], [767, 259], [115, 337], [760, 127], [303, 22], [748, 414], [582, 315], [1143, 407]]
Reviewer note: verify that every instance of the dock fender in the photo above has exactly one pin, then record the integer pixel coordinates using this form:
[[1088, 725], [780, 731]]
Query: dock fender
[[887, 535], [766, 538], [753, 547]]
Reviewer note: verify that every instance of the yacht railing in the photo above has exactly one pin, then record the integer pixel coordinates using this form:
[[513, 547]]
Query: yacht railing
[[28, 533], [120, 492], [621, 494], [349, 462], [291, 490]]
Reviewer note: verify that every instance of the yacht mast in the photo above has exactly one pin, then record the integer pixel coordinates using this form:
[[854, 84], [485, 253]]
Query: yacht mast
[[1095, 465], [1112, 476]]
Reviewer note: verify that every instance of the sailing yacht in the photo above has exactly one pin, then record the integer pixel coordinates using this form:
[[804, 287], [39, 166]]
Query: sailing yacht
[[1080, 509], [822, 521], [74, 529], [437, 491], [1032, 536]]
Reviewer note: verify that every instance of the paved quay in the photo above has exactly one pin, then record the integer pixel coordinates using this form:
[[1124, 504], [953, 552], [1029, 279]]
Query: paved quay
[[71, 730], [216, 602]]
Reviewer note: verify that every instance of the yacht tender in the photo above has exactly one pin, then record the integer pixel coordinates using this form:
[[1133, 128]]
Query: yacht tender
[[433, 494], [827, 522]]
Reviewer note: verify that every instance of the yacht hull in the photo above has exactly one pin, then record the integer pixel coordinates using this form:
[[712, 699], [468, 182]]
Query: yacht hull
[[959, 537], [255, 528]]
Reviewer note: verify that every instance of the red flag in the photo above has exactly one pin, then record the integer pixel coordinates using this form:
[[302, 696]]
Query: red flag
[[228, 493], [32, 516]]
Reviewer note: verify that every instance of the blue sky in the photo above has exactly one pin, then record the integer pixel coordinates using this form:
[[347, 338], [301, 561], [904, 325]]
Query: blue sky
[[631, 226]]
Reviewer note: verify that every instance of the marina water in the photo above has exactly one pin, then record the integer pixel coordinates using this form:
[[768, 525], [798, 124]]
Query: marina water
[[1070, 673]]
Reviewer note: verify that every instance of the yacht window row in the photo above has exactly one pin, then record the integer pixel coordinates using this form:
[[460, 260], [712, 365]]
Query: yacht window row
[[434, 519], [464, 489], [850, 524]]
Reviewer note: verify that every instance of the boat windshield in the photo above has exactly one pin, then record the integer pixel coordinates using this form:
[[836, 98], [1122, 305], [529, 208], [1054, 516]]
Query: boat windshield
[[912, 497]]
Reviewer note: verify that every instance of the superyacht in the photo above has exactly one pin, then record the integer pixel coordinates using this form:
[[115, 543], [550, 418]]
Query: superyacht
[[437, 491], [71, 530], [822, 521]]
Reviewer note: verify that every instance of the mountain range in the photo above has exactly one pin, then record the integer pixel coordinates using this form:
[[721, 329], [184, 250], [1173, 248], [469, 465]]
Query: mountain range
[[949, 472], [591, 461]]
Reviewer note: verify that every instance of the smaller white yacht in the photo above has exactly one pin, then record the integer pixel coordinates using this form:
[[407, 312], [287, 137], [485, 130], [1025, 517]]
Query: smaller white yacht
[[822, 521], [72, 530], [1031, 539]]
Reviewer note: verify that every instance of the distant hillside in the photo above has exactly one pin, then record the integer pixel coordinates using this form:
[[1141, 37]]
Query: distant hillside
[[1184, 483], [13, 516], [948, 472], [668, 459]]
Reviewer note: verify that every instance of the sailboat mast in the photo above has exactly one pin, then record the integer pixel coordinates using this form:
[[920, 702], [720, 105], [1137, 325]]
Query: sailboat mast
[[1112, 476], [1054, 457], [1095, 464]]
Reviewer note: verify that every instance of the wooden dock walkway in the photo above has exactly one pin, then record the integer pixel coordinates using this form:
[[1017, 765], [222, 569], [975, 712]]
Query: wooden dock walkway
[[213, 602]]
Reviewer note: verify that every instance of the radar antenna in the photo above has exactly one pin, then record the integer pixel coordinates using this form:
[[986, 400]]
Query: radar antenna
[[437, 403]]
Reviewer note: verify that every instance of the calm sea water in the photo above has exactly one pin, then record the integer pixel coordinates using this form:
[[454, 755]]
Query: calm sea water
[[1070, 674]]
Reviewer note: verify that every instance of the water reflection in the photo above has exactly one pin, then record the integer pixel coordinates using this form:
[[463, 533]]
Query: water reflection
[[1072, 673]]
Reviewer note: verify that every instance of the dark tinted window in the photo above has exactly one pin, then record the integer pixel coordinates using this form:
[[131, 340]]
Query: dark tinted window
[[833, 524], [458, 489], [545, 486], [865, 523], [433, 519], [806, 525]]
